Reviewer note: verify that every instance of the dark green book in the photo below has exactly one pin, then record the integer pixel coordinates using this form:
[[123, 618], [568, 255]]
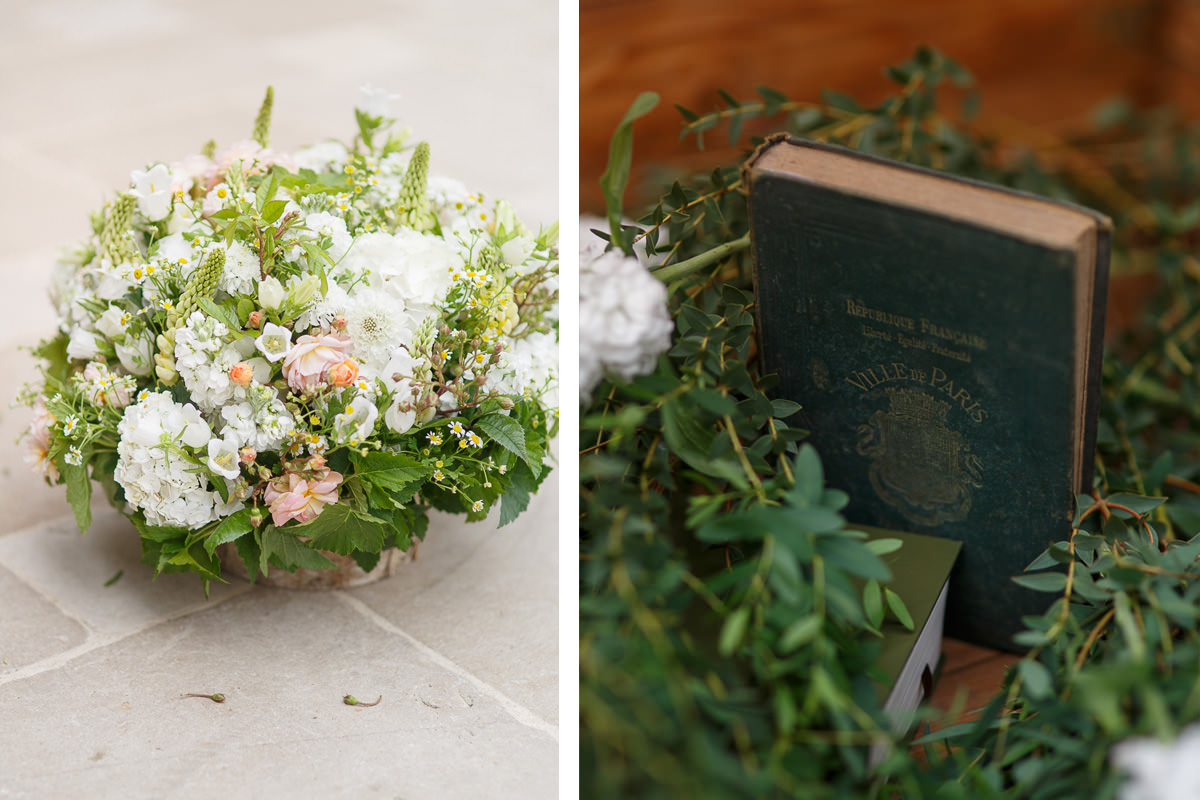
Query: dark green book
[[909, 658], [943, 337]]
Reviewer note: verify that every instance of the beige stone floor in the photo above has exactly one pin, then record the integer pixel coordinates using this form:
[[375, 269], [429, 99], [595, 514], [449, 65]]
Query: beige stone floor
[[463, 644]]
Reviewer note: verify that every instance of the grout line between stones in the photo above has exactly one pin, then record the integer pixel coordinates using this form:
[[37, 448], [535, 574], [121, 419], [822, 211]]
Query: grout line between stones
[[96, 640], [516, 710]]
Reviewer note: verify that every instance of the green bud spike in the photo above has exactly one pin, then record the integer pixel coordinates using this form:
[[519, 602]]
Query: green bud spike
[[262, 123], [203, 283], [209, 148], [413, 206], [489, 259], [115, 241]]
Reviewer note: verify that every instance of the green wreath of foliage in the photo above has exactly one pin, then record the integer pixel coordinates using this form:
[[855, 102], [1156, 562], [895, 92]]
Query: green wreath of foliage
[[724, 648]]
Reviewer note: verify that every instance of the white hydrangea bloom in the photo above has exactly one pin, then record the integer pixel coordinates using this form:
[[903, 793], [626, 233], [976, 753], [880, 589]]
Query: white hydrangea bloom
[[528, 367], [203, 358], [1159, 770], [414, 267], [321, 156], [151, 468], [624, 324]]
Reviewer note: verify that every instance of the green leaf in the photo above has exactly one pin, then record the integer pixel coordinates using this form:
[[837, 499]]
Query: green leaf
[[620, 159], [228, 529], [873, 603], [1042, 581], [508, 433], [395, 472], [273, 210], [220, 312], [291, 552], [800, 633], [1038, 682], [342, 530], [733, 630], [881, 547], [79, 494], [898, 609]]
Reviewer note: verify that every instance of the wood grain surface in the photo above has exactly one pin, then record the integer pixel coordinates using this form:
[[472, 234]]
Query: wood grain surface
[[1042, 62]]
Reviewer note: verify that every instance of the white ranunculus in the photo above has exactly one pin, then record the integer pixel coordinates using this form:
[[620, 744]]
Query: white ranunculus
[[271, 293], [153, 191], [1159, 770], [624, 324]]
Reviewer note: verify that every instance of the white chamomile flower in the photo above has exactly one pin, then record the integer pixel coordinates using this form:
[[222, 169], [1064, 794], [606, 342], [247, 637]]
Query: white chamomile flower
[[274, 341], [477, 506], [434, 437], [74, 456], [457, 428], [474, 439], [70, 424]]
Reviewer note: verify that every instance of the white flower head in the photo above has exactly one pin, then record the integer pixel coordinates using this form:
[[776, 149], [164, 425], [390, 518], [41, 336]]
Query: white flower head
[[153, 190], [274, 341], [223, 458], [375, 102], [271, 293], [624, 324], [1159, 770]]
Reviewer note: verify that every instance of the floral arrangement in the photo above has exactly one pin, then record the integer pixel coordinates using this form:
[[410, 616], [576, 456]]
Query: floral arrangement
[[299, 353], [729, 617]]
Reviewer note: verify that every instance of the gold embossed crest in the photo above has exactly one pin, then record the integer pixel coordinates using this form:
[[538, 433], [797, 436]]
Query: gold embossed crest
[[919, 464]]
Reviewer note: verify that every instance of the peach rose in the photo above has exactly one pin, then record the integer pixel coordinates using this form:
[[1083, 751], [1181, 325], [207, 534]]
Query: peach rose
[[241, 373], [307, 363], [343, 374]]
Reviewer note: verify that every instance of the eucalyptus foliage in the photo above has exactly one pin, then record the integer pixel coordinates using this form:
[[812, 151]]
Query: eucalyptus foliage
[[726, 649]]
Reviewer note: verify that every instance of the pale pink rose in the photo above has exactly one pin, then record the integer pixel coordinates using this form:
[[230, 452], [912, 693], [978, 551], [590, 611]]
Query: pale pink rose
[[38, 436], [241, 373], [293, 497], [307, 363], [255, 160]]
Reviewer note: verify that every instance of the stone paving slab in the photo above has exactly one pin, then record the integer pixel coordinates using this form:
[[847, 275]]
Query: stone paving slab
[[71, 570], [116, 724], [509, 574], [31, 627]]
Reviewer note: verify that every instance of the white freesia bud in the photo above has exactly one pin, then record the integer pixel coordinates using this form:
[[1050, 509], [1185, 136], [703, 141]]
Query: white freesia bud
[[624, 324], [153, 190], [82, 345], [271, 293]]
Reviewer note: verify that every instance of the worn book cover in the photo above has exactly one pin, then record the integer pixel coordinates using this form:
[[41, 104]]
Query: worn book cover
[[943, 338]]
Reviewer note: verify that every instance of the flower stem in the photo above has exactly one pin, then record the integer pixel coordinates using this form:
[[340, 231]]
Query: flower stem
[[216, 698], [670, 273]]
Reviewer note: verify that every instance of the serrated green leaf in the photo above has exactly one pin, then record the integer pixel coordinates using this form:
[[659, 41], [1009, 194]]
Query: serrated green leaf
[[396, 472], [228, 529], [506, 432], [291, 552], [342, 530]]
